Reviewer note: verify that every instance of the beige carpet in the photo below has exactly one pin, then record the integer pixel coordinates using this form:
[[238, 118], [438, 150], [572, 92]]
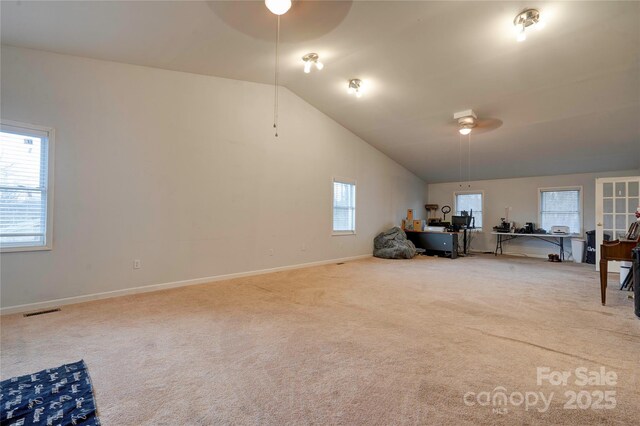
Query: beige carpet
[[368, 342]]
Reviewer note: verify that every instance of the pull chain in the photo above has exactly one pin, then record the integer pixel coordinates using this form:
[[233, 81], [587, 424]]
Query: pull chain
[[469, 164], [276, 82], [460, 157]]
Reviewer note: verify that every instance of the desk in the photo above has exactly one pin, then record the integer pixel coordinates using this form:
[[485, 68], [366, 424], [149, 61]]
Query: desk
[[558, 240], [440, 243], [613, 250]]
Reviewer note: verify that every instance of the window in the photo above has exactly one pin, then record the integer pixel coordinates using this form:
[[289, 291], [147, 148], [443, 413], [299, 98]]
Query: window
[[25, 187], [468, 201], [561, 207], [344, 207]]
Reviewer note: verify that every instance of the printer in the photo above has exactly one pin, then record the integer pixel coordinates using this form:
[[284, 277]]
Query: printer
[[560, 230], [435, 229]]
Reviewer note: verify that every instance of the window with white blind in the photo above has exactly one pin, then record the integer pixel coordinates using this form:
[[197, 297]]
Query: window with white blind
[[471, 202], [561, 207], [25, 187], [344, 207]]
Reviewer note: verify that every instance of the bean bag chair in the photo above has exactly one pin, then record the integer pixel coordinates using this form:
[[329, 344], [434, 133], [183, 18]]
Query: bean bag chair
[[393, 244]]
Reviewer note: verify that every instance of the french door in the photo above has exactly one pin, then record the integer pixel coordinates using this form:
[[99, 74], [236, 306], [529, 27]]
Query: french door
[[616, 202]]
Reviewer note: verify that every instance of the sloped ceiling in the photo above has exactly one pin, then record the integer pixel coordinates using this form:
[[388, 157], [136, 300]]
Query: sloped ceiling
[[568, 98]]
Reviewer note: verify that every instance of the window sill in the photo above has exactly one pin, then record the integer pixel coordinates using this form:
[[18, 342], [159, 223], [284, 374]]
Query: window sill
[[24, 249], [342, 233]]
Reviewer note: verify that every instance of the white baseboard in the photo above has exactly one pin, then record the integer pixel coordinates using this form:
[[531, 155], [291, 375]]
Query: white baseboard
[[156, 287]]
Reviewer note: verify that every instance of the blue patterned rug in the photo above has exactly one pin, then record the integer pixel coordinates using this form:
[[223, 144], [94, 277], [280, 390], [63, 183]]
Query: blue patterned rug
[[55, 396]]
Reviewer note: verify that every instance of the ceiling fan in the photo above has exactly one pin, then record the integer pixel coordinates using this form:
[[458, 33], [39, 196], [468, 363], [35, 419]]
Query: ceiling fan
[[468, 121]]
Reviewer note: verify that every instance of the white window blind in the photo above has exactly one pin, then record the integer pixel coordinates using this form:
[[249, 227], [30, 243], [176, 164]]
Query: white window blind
[[24, 187], [560, 208], [344, 207], [468, 202]]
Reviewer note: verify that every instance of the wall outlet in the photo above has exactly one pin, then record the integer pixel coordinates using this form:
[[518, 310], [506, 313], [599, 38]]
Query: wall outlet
[[271, 251], [303, 247], [137, 264]]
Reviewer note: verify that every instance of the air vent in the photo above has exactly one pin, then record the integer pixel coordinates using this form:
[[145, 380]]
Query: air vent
[[47, 311]]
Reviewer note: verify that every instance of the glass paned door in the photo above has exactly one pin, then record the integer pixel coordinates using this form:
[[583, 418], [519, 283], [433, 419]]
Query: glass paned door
[[616, 202]]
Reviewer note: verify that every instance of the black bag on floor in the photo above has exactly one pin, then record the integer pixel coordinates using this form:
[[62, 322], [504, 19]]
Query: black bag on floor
[[591, 246]]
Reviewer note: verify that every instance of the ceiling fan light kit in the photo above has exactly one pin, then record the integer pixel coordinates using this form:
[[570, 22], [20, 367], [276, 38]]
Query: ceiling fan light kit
[[465, 129], [466, 120], [278, 7]]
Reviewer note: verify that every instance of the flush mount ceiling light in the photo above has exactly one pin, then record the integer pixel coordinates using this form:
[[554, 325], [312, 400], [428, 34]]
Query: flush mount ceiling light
[[278, 7], [355, 86], [466, 121], [525, 19], [311, 59]]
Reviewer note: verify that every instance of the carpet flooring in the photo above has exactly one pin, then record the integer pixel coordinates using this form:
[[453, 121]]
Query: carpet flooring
[[376, 342]]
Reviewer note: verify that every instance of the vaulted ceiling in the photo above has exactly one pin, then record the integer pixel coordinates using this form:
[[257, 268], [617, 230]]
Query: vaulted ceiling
[[567, 100]]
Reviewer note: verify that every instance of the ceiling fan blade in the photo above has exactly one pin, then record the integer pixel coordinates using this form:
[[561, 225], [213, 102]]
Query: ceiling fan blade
[[487, 125]]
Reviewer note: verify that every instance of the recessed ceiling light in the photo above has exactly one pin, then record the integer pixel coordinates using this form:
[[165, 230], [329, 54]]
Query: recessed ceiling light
[[525, 19], [355, 87], [311, 59]]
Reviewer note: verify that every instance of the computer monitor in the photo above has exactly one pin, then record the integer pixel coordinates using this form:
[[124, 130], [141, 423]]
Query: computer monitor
[[460, 221]]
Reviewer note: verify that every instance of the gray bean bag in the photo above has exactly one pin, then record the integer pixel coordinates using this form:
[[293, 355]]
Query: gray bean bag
[[393, 244]]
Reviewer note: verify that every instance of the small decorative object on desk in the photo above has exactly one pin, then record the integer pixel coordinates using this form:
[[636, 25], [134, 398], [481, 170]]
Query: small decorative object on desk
[[409, 215], [445, 210], [503, 227], [634, 231]]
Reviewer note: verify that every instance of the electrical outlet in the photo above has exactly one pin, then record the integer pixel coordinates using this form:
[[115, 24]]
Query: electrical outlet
[[271, 251], [137, 264], [304, 247]]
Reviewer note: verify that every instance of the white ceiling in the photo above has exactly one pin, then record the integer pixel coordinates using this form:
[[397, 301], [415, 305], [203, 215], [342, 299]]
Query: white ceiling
[[568, 97]]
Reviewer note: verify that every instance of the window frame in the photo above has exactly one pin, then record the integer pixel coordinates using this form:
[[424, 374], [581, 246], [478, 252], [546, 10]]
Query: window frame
[[559, 189], [455, 204], [11, 126], [355, 205]]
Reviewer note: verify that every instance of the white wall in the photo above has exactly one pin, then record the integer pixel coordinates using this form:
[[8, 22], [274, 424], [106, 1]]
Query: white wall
[[521, 194], [183, 172]]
